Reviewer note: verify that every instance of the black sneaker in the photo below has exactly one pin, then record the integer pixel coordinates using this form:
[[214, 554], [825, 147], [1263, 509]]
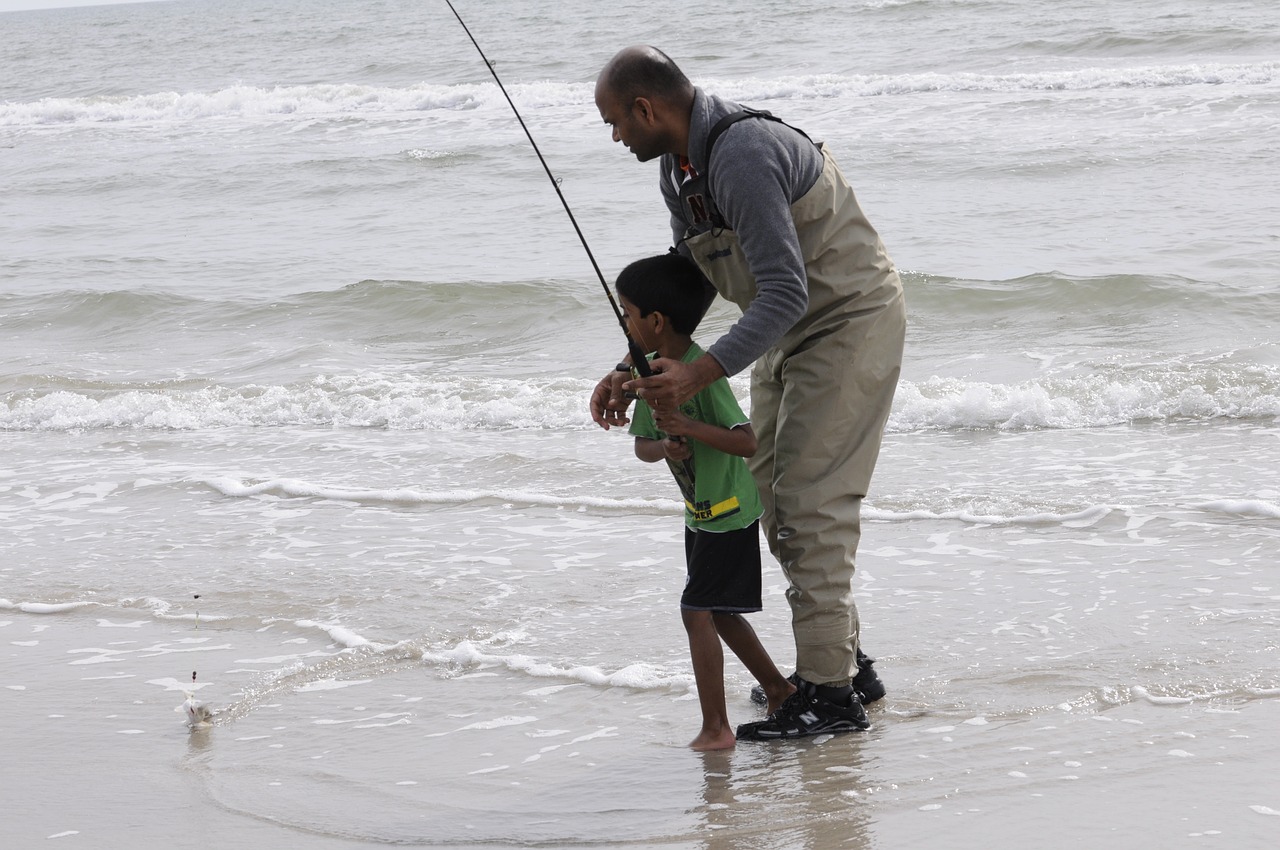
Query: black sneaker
[[867, 684], [806, 713]]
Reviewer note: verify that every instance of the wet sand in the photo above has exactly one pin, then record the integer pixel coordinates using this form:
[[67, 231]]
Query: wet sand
[[361, 748]]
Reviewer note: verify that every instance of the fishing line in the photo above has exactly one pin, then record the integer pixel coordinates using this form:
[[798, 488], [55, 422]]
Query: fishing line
[[638, 360]]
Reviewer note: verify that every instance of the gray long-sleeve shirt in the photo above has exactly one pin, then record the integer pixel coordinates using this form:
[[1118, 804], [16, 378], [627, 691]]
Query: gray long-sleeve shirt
[[759, 168]]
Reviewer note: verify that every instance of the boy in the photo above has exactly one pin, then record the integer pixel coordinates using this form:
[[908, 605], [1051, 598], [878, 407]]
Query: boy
[[704, 442]]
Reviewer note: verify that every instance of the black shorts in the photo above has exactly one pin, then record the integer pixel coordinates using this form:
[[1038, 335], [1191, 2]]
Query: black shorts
[[724, 570]]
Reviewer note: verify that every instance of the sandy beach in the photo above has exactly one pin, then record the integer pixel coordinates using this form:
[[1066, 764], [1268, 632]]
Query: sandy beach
[[296, 344]]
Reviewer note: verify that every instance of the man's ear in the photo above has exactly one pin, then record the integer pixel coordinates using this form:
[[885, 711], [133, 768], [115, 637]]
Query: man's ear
[[644, 107]]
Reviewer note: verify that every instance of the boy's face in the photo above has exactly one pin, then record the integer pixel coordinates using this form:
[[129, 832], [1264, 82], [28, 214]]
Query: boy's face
[[639, 327]]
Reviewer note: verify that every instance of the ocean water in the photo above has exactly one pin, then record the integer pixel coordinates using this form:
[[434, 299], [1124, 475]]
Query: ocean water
[[296, 342]]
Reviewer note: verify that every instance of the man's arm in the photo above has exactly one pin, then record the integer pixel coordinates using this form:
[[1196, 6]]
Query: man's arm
[[758, 170]]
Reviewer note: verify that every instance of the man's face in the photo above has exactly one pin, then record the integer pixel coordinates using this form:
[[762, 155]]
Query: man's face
[[632, 123]]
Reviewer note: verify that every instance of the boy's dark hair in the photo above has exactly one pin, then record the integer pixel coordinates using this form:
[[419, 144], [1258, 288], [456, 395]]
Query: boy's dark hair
[[669, 284]]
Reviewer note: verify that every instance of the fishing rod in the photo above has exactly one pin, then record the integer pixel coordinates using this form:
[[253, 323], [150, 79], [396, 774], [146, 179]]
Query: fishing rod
[[638, 359]]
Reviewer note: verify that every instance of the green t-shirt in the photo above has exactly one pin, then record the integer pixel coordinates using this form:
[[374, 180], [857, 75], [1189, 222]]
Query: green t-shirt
[[719, 492]]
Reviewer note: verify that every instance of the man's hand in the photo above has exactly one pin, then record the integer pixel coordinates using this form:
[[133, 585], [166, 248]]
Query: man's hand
[[608, 402], [673, 382]]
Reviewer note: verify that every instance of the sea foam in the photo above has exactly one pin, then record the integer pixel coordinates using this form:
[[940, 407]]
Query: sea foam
[[295, 102], [411, 402], [295, 488]]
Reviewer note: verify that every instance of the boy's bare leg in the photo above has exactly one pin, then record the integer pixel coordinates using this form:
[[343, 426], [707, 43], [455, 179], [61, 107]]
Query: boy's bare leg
[[708, 672], [742, 639]]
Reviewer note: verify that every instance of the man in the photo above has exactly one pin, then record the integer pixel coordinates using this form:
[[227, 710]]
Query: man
[[774, 226]]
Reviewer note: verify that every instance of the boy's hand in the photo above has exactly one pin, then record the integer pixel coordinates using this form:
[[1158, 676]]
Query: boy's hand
[[677, 450], [671, 421]]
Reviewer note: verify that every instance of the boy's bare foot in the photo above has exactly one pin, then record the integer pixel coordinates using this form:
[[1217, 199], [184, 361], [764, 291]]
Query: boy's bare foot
[[721, 740], [778, 696]]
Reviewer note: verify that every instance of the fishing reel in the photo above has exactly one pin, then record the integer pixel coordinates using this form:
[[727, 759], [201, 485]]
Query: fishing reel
[[639, 372], [626, 368]]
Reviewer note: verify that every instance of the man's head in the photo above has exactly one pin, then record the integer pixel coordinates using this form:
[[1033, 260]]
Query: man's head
[[646, 99], [667, 286]]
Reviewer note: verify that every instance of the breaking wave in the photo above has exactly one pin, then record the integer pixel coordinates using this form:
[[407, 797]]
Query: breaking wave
[[351, 99]]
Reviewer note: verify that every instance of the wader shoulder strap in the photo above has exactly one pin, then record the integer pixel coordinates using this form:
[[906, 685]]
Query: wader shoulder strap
[[700, 210], [733, 118]]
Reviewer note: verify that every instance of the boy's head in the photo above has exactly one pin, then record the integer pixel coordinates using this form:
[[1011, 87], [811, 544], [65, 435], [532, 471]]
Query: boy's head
[[669, 284]]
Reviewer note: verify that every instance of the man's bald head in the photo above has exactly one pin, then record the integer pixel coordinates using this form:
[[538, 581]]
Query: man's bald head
[[647, 101], [644, 71]]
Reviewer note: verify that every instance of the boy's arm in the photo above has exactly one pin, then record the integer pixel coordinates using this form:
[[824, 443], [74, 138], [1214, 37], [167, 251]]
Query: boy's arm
[[649, 451], [739, 440]]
